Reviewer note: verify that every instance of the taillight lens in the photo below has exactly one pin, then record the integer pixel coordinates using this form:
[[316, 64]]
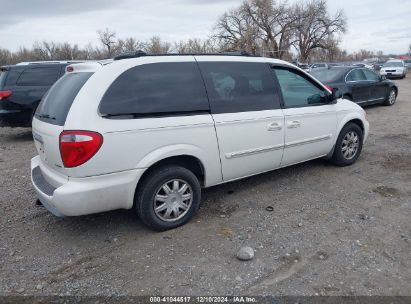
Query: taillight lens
[[5, 94], [77, 147]]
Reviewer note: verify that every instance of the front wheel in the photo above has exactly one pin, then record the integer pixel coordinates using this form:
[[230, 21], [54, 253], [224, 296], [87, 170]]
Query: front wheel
[[392, 96], [168, 197], [348, 146]]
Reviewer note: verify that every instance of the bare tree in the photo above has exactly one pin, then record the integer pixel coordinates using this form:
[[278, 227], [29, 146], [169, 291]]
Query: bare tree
[[236, 30], [68, 51], [314, 26], [108, 40], [6, 57], [362, 54], [129, 45], [195, 45], [274, 23], [157, 46]]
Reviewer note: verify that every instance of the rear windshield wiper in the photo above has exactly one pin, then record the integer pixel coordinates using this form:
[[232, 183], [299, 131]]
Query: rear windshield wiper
[[47, 116]]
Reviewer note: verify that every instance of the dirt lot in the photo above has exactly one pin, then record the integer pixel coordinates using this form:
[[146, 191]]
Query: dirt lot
[[333, 231]]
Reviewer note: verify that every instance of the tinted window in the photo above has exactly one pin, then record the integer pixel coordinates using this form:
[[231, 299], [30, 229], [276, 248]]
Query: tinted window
[[328, 75], [297, 90], [3, 74], [38, 76], [370, 75], [356, 75], [239, 86], [56, 104], [159, 88]]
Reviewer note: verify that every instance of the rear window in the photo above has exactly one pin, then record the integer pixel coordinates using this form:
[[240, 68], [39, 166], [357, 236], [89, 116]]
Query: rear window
[[327, 75], [39, 76], [56, 104], [168, 88], [3, 74]]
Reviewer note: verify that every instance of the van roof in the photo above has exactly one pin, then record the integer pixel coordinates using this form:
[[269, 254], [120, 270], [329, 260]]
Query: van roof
[[140, 53]]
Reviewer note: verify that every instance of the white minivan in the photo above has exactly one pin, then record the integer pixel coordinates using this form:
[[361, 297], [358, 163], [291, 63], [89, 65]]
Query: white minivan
[[147, 132]]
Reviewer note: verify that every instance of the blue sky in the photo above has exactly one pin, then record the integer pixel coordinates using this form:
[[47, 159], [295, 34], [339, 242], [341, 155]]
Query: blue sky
[[372, 24]]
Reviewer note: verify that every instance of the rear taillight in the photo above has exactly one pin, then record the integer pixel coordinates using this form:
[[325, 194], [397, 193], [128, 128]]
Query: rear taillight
[[77, 147], [5, 94]]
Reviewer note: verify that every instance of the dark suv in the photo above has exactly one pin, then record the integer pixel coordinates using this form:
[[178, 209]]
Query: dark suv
[[21, 88]]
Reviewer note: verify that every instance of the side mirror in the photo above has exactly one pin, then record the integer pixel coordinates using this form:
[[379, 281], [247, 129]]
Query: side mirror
[[335, 94], [382, 78]]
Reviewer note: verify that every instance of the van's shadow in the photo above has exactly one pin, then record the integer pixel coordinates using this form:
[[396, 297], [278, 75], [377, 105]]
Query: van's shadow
[[121, 221], [17, 135]]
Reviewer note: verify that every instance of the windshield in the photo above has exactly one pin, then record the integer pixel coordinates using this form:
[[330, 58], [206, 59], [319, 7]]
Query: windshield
[[327, 75], [393, 64], [56, 104]]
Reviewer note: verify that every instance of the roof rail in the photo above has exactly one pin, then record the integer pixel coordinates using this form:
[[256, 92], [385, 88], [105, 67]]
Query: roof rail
[[141, 53], [49, 62]]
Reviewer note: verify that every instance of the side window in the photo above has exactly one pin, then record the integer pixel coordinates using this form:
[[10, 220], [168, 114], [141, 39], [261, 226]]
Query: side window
[[297, 90], [157, 88], [239, 86], [356, 75], [370, 75], [38, 76]]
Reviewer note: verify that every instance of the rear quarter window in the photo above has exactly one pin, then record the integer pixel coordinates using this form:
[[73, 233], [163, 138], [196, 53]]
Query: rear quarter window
[[168, 88], [38, 76], [56, 103]]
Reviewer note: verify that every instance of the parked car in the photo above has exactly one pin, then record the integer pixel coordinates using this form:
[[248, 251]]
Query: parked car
[[362, 65], [148, 132], [304, 67], [394, 68], [318, 65], [360, 85], [21, 88], [407, 63], [378, 65]]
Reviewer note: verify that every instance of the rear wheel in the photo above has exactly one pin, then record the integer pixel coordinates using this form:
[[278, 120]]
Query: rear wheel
[[348, 146], [168, 197], [392, 96]]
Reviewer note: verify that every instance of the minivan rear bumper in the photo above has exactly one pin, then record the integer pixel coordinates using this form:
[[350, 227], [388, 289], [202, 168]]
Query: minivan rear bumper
[[81, 196]]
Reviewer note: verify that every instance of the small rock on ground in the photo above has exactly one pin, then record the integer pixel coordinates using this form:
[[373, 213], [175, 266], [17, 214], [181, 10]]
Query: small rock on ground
[[245, 254]]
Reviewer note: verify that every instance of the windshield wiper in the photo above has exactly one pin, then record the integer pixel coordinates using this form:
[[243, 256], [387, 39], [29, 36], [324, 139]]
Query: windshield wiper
[[47, 116]]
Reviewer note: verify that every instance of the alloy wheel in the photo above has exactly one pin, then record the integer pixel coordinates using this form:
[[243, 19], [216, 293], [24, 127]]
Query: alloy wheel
[[350, 145], [173, 200], [391, 98]]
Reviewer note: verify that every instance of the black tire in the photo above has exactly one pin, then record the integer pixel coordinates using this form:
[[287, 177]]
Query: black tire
[[339, 158], [388, 101], [150, 187]]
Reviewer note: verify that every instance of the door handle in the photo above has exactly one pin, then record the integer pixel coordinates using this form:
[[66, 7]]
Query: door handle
[[274, 126], [293, 124]]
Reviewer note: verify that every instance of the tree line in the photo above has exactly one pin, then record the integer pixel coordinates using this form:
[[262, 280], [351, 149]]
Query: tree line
[[261, 27]]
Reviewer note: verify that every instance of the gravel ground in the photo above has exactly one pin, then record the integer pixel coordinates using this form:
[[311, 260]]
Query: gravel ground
[[331, 231]]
